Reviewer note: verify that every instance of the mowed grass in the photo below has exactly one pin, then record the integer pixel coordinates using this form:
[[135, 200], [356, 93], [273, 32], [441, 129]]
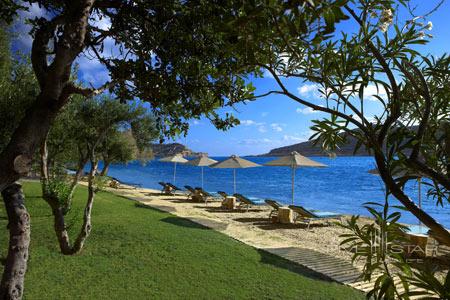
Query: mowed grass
[[142, 253]]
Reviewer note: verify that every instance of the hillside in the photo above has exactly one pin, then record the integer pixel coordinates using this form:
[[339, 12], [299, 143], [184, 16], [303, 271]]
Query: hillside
[[308, 149], [161, 150]]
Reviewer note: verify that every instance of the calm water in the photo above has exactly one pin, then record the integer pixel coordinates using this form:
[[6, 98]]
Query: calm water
[[341, 187]]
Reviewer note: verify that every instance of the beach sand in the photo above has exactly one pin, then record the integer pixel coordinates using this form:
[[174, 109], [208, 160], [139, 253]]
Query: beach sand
[[252, 227]]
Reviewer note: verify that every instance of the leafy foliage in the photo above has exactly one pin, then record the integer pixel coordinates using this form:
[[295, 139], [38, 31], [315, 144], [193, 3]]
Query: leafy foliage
[[385, 250], [18, 88], [59, 190]]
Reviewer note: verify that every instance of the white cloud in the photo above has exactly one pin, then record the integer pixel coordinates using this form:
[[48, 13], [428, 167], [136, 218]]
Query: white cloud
[[307, 111], [22, 28], [308, 89], [293, 139], [247, 122], [262, 129], [251, 123], [96, 78], [252, 142], [312, 90], [261, 126], [276, 127], [264, 114], [372, 90]]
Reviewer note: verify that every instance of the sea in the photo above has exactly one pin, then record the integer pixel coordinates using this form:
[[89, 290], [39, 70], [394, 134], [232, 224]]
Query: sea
[[343, 186]]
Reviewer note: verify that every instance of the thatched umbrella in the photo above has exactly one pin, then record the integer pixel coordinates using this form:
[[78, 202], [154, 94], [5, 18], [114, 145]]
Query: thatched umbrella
[[405, 173], [294, 160], [234, 162], [202, 161], [177, 158]]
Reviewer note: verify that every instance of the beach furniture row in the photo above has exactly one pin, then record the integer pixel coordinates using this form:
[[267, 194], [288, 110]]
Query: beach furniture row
[[279, 212]]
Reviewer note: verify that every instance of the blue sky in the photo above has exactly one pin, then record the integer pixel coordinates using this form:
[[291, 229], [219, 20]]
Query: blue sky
[[269, 122]]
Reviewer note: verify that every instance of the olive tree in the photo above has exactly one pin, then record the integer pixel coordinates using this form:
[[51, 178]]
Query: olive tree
[[95, 133], [173, 54]]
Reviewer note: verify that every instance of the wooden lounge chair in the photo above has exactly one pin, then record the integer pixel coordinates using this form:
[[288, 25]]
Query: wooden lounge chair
[[131, 184], [275, 205], [245, 202], [174, 188], [205, 195], [223, 194], [191, 191], [308, 216], [166, 189]]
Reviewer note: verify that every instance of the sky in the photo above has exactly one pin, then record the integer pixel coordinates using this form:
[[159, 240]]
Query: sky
[[266, 123]]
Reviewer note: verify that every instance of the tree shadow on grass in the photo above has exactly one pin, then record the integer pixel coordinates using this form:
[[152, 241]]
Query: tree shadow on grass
[[280, 262], [183, 223], [196, 223], [159, 208]]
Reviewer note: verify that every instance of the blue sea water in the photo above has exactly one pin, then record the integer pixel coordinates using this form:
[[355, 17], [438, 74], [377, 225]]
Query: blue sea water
[[344, 186]]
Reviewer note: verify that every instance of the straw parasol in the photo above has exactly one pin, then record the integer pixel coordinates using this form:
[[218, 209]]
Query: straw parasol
[[294, 160], [234, 162], [177, 158], [202, 161], [404, 173]]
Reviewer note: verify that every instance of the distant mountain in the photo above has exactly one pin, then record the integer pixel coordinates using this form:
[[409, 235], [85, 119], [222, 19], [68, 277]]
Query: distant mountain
[[308, 149], [162, 150]]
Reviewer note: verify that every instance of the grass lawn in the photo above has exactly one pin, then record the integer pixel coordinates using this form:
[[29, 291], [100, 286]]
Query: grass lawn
[[141, 253]]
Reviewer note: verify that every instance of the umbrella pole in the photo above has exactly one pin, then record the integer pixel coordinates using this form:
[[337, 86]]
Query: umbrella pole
[[174, 172], [234, 180], [202, 177], [419, 181], [293, 182]]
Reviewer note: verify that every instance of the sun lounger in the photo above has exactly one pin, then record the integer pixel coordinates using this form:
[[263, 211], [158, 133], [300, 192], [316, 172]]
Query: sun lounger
[[191, 191], [133, 185], [275, 205], [174, 188], [245, 202], [308, 216], [205, 195], [223, 194], [166, 189]]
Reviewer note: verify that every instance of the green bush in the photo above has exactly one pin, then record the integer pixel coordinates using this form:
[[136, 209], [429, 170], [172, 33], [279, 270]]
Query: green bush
[[57, 189]]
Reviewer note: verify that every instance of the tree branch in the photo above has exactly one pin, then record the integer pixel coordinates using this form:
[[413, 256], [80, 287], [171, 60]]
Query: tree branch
[[87, 92], [286, 92], [395, 113]]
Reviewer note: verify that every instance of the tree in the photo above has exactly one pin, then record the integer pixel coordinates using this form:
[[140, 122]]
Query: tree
[[123, 146], [96, 130], [118, 147], [18, 88], [380, 53], [173, 54]]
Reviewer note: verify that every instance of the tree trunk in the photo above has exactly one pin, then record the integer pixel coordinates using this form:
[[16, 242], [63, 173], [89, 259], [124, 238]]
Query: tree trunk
[[59, 219], [44, 164], [397, 192], [86, 227], [105, 168], [79, 173], [12, 283]]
